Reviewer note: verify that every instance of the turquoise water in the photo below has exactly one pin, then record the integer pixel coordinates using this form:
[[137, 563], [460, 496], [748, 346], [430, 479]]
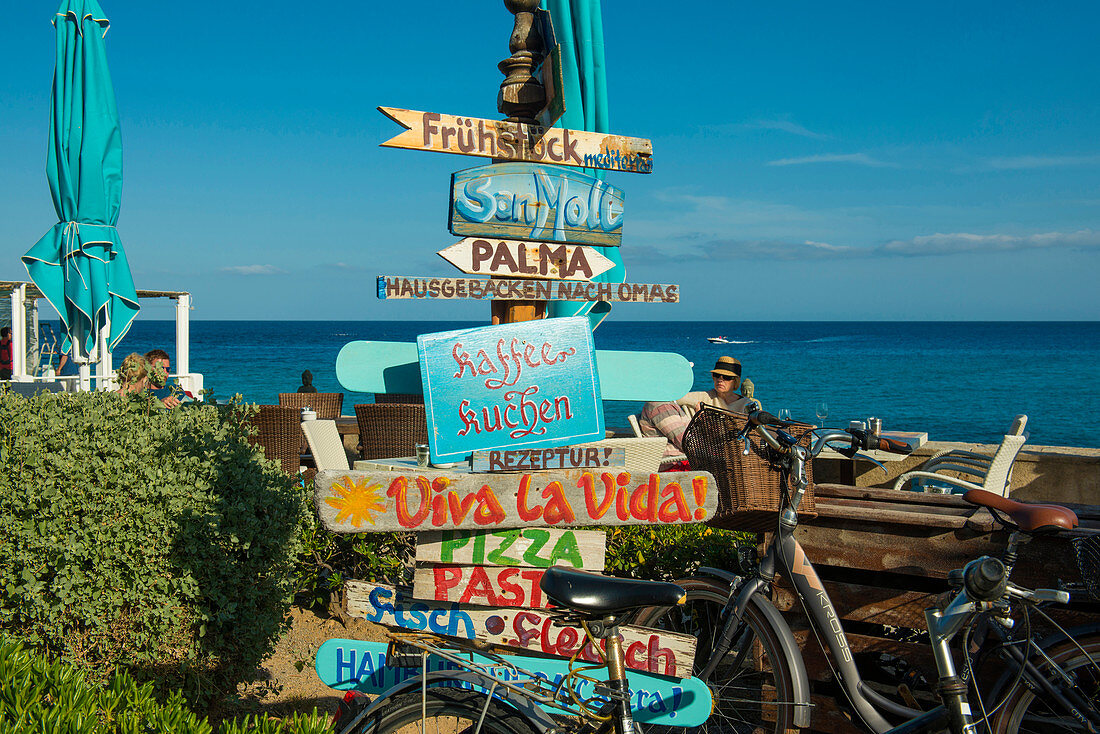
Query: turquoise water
[[959, 381]]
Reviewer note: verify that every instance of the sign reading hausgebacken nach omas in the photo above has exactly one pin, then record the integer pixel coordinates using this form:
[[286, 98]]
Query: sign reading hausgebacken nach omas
[[509, 386], [533, 202]]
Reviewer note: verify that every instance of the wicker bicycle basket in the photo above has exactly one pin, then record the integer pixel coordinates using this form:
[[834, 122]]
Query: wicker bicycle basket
[[750, 488]]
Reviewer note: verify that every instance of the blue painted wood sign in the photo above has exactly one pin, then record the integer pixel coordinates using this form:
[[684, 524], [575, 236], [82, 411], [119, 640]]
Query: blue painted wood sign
[[528, 385], [533, 202], [655, 699]]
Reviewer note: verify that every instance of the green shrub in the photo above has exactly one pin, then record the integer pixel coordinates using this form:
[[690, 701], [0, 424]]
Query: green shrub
[[41, 695], [158, 540], [667, 552]]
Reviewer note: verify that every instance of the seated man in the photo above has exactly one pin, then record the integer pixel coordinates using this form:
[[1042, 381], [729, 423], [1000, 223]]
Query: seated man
[[158, 362], [669, 419]]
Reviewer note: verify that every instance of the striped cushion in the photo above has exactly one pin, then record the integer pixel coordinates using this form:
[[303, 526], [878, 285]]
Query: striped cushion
[[664, 419]]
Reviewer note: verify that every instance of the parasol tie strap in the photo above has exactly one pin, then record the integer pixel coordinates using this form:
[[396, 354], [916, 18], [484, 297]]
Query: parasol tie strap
[[72, 246]]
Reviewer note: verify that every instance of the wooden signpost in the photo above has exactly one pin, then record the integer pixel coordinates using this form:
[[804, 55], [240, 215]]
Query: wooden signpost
[[394, 367], [511, 141], [652, 651], [533, 202], [374, 502], [515, 259], [498, 289], [490, 586], [655, 699], [566, 457], [527, 547]]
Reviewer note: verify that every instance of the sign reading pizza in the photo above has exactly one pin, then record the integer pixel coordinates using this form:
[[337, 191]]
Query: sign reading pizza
[[531, 384]]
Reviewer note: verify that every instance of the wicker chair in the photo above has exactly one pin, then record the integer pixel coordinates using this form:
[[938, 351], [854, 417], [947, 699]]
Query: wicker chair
[[398, 397], [390, 430], [279, 435], [991, 472], [327, 404]]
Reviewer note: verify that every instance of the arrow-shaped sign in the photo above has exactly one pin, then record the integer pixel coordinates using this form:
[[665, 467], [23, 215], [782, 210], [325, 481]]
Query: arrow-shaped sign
[[517, 259], [512, 141]]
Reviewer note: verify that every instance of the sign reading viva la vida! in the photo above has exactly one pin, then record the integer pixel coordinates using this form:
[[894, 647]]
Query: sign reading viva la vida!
[[510, 386], [536, 202]]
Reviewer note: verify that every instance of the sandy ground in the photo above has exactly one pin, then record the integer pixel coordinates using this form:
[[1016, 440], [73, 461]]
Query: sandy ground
[[287, 681]]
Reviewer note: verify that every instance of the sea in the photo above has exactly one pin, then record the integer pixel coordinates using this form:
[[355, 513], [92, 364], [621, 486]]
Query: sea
[[958, 381]]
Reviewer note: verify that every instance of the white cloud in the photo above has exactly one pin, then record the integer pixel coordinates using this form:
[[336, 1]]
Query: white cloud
[[253, 270], [959, 242], [1026, 162], [785, 126], [861, 159]]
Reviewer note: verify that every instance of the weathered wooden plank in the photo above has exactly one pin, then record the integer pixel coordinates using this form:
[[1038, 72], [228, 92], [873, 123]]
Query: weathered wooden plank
[[374, 502], [512, 386], [519, 259], [393, 367], [563, 457], [583, 550], [486, 586], [532, 202], [500, 289], [511, 141], [655, 699], [862, 603], [653, 651]]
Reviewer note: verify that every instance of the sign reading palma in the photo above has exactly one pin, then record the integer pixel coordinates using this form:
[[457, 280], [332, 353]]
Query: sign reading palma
[[531, 384], [374, 502], [532, 202]]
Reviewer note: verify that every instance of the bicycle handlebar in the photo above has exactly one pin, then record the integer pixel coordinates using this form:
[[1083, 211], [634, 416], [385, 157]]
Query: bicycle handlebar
[[859, 439]]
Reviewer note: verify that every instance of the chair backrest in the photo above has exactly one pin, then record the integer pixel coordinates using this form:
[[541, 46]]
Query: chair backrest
[[999, 475], [633, 421], [398, 397], [325, 444], [279, 436], [1019, 423], [390, 430], [327, 404]]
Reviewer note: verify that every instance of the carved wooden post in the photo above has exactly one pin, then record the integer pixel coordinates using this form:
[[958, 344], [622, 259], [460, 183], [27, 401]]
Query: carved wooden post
[[521, 98]]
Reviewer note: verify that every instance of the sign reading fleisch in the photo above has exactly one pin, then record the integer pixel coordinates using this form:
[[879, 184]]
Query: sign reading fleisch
[[516, 259], [487, 586], [563, 457], [655, 699], [375, 502], [526, 547], [400, 286], [532, 202], [512, 141], [530, 384], [652, 651]]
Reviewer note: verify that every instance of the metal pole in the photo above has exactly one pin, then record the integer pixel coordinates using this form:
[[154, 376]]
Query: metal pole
[[19, 333]]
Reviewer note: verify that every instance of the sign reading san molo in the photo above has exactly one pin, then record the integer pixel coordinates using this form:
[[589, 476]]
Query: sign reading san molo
[[514, 141], [529, 384], [534, 202], [400, 286], [376, 502], [653, 651], [563, 457], [526, 259], [527, 547]]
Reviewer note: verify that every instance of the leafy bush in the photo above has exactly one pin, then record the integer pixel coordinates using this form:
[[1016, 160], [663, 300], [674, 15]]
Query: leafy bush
[[44, 695], [159, 540], [668, 552]]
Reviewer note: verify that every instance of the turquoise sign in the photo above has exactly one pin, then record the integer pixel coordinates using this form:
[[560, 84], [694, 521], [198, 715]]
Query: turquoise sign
[[655, 699], [528, 385], [528, 201]]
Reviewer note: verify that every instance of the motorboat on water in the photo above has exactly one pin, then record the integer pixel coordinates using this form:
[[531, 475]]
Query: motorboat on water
[[718, 340]]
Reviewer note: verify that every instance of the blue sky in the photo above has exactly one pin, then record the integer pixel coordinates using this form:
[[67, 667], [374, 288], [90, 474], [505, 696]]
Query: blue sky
[[840, 161]]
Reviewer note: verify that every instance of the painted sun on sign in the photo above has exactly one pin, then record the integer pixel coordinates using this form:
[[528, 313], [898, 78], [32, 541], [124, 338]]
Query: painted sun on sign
[[355, 500]]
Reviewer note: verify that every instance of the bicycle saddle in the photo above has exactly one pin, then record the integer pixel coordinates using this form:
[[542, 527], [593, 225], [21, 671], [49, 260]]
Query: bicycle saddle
[[1029, 518], [593, 593]]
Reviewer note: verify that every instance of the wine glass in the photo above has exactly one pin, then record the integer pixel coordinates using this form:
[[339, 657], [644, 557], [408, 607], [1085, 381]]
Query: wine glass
[[784, 414], [822, 411]]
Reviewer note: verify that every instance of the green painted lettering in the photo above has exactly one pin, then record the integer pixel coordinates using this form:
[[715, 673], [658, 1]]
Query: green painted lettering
[[508, 538], [567, 549], [538, 538]]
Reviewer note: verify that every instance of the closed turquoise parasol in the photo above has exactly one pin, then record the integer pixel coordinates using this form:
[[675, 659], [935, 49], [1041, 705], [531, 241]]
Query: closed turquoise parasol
[[80, 265]]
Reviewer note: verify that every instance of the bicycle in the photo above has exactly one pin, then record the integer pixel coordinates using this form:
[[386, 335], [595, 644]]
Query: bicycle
[[1044, 682]]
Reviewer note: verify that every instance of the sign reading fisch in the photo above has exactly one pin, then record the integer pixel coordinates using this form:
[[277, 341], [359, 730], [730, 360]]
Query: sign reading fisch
[[510, 386], [514, 141], [375, 502], [525, 259], [534, 202]]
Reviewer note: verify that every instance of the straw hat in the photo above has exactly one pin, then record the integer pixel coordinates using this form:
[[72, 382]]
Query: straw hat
[[727, 366]]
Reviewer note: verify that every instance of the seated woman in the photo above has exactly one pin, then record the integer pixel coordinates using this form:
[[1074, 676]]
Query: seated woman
[[133, 374], [670, 420]]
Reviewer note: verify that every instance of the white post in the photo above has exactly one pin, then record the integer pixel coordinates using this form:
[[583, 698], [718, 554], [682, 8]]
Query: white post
[[183, 345], [19, 333], [103, 371]]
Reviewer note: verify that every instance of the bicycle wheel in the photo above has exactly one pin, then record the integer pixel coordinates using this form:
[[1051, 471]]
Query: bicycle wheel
[[1027, 711], [751, 678], [449, 711]]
